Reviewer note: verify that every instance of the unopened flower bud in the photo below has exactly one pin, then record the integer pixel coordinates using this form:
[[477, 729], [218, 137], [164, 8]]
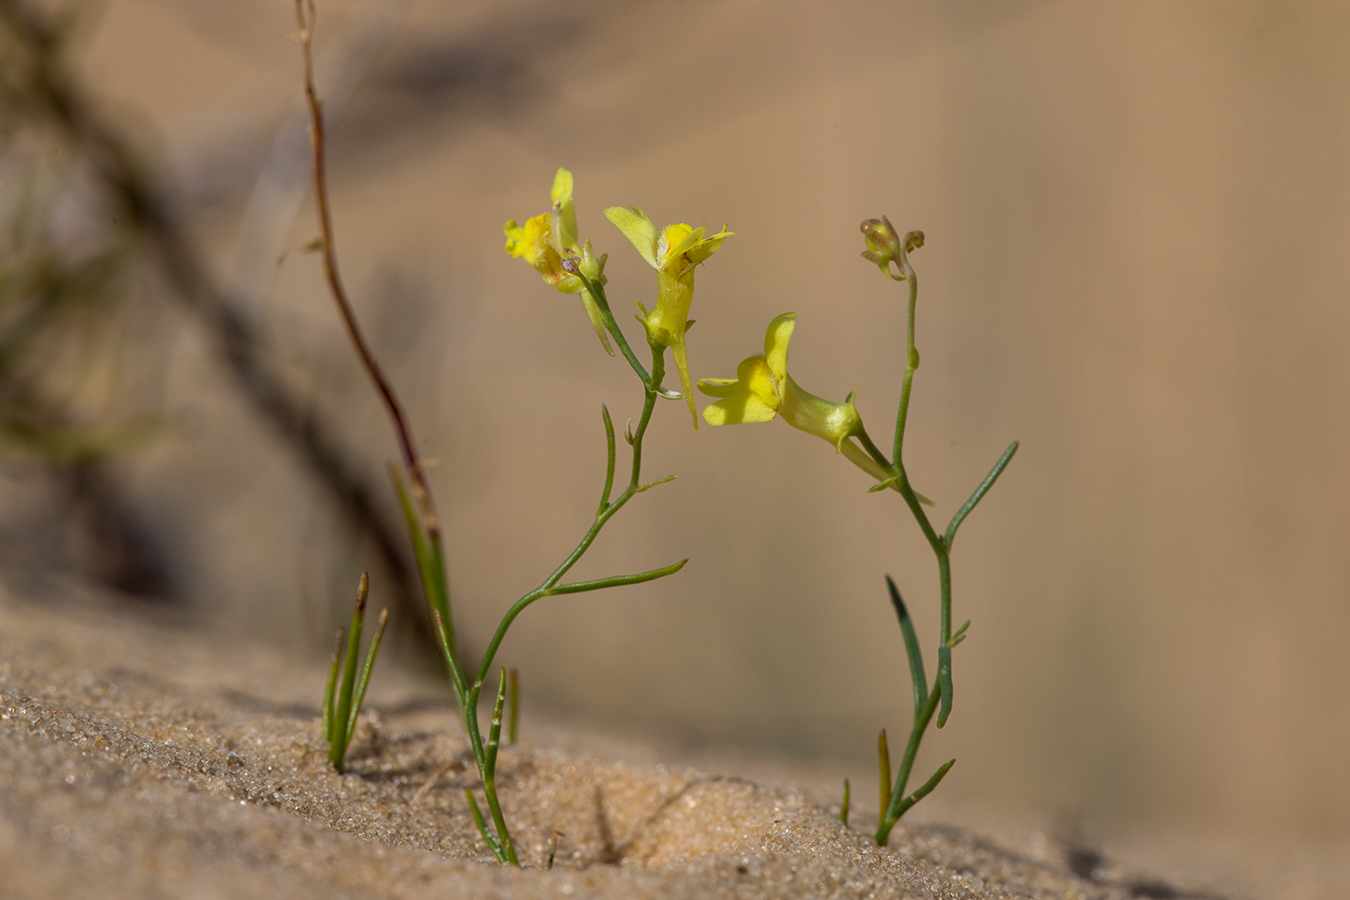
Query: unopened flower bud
[[880, 235], [883, 244]]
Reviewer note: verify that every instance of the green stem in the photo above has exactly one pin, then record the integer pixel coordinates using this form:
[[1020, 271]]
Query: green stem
[[892, 813], [911, 356], [944, 670], [603, 516], [875, 452], [941, 548], [597, 291], [486, 757], [487, 774]]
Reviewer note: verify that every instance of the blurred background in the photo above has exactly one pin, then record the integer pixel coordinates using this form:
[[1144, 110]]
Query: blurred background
[[1136, 264]]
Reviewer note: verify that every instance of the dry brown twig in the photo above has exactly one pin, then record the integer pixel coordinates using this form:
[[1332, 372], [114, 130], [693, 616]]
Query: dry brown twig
[[305, 14], [55, 96]]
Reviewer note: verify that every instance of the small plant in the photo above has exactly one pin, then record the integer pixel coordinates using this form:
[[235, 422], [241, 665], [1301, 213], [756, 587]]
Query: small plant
[[342, 704], [550, 244], [762, 390]]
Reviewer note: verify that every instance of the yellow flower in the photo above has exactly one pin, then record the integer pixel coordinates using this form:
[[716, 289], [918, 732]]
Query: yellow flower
[[546, 240], [763, 389], [673, 253]]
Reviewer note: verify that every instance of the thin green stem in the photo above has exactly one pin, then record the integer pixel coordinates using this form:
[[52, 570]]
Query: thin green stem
[[939, 699], [891, 814], [485, 757], [944, 671], [843, 807], [597, 292], [652, 390], [487, 769], [452, 667], [911, 357], [875, 452]]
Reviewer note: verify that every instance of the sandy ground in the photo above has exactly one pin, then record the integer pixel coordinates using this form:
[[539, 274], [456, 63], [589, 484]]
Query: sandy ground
[[142, 759]]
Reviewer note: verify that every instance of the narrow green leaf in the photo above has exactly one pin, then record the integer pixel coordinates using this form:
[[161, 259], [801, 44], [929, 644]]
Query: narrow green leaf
[[338, 748], [843, 807], [892, 482], [609, 466], [330, 690], [495, 728], [925, 789], [577, 587], [652, 484], [513, 718], [478, 820], [415, 533], [980, 491], [944, 675], [884, 765], [456, 677], [430, 562], [918, 678], [361, 686], [441, 588]]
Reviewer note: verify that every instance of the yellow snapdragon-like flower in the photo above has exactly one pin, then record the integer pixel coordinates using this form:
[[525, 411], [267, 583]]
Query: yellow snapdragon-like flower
[[763, 389], [673, 252], [547, 239]]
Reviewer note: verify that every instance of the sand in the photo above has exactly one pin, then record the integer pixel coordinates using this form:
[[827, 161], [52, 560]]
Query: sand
[[140, 758]]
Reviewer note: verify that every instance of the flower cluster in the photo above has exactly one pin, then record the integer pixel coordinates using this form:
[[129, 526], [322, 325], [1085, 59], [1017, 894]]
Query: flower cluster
[[546, 240]]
